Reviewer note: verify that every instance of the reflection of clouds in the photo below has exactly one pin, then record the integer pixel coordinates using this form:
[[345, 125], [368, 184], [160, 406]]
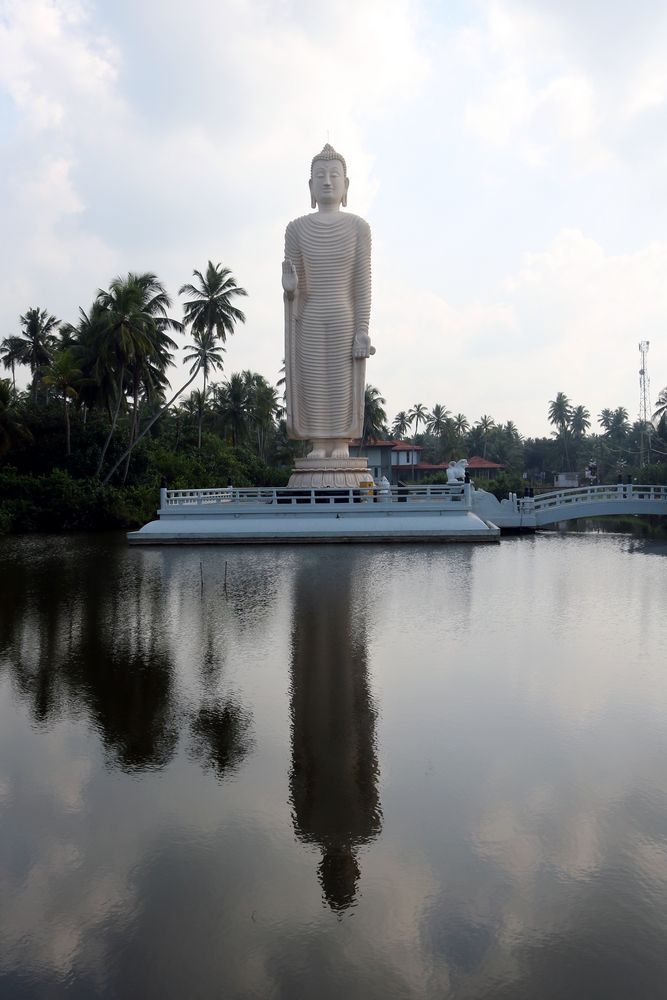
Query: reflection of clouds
[[531, 725], [52, 892], [524, 807]]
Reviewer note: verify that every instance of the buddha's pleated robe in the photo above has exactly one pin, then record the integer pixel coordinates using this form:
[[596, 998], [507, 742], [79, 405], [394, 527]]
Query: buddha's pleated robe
[[325, 384]]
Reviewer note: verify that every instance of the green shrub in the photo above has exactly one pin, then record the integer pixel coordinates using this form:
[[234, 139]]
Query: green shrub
[[58, 502], [5, 519]]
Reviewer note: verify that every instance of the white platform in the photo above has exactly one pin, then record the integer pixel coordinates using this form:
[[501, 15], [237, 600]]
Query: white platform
[[233, 516]]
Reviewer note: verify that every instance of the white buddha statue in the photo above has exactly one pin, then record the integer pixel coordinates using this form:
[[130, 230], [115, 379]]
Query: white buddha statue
[[327, 293]]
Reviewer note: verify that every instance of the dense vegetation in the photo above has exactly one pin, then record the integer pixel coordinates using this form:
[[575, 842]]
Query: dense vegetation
[[97, 430]]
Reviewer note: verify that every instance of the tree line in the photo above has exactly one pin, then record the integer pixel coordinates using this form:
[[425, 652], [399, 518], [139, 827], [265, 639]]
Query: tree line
[[574, 446], [99, 424]]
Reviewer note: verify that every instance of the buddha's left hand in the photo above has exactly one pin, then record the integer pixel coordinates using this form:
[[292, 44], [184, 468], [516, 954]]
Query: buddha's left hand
[[362, 346]]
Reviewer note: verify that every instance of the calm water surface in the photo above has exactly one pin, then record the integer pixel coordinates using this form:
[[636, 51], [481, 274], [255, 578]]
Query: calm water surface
[[333, 772]]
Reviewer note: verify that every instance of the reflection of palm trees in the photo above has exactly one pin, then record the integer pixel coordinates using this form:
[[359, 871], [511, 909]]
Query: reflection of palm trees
[[334, 776], [68, 653], [84, 633], [221, 736]]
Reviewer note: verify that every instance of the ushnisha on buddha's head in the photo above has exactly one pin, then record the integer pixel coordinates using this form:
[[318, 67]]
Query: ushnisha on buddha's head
[[328, 180]]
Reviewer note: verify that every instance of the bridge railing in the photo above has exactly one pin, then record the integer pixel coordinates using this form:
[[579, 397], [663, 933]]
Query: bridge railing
[[454, 495], [593, 494]]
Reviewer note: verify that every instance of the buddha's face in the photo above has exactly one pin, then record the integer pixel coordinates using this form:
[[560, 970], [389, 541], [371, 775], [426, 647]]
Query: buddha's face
[[328, 183]]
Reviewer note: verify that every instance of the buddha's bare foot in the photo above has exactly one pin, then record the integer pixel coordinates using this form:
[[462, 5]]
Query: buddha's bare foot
[[340, 450], [317, 452]]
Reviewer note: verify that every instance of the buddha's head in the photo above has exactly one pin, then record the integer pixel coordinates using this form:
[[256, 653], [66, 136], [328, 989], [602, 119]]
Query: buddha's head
[[328, 179]]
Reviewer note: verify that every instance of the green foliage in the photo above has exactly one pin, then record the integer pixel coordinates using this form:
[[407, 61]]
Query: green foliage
[[655, 475], [502, 485], [5, 519], [97, 407], [58, 502]]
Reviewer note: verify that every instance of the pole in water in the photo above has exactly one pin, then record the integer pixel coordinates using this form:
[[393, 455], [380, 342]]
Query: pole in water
[[225, 576], [201, 577]]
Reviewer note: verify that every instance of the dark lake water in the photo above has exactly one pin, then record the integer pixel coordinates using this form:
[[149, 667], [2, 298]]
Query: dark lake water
[[333, 772]]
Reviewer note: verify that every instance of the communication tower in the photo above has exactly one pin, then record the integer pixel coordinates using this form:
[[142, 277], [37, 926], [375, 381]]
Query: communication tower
[[644, 407]]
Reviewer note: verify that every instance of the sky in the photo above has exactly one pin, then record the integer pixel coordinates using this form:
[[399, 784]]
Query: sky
[[509, 155]]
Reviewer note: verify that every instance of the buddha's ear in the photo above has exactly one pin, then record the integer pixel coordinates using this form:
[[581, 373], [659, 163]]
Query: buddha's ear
[[347, 184], [313, 203]]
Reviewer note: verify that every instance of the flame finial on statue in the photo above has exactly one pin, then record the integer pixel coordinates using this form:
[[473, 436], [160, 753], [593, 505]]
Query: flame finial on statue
[[329, 153]]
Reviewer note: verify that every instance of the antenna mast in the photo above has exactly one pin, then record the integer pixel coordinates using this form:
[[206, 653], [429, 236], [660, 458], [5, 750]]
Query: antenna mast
[[644, 408]]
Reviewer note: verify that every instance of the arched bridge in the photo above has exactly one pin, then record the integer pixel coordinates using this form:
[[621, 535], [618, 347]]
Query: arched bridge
[[567, 505]]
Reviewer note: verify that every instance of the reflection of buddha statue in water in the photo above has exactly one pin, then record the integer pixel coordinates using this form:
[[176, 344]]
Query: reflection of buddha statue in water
[[327, 286], [334, 776]]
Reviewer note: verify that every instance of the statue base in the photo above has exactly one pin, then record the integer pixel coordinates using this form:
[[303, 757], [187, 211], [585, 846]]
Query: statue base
[[331, 473]]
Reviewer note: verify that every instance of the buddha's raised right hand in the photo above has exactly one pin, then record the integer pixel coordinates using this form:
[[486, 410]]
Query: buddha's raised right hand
[[290, 278]]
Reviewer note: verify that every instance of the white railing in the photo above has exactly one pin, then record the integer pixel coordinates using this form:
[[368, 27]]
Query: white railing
[[455, 495], [594, 494]]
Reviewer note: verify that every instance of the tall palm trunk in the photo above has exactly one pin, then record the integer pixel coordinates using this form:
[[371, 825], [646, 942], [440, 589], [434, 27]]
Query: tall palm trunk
[[201, 413], [148, 426], [133, 424], [113, 423], [68, 447]]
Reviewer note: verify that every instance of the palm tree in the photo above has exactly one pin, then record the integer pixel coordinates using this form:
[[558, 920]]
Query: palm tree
[[232, 405], [560, 410], [13, 353], [195, 405], [439, 423], [580, 421], [375, 417], [507, 445], [560, 414], [210, 308], [125, 332], [660, 409], [619, 427], [98, 386], [485, 424], [207, 357], [605, 419], [147, 369], [400, 425], [263, 407], [210, 314], [194, 371], [12, 431], [417, 415], [38, 342], [461, 425], [63, 376]]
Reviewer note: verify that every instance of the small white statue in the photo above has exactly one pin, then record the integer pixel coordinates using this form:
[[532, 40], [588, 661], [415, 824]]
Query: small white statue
[[327, 293], [456, 473]]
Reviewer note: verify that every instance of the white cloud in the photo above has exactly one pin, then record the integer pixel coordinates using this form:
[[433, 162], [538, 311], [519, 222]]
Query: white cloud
[[48, 61], [135, 140], [568, 313]]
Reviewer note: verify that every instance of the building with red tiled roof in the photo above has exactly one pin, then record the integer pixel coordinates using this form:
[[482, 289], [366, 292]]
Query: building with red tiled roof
[[478, 468], [400, 461], [483, 468], [393, 459]]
